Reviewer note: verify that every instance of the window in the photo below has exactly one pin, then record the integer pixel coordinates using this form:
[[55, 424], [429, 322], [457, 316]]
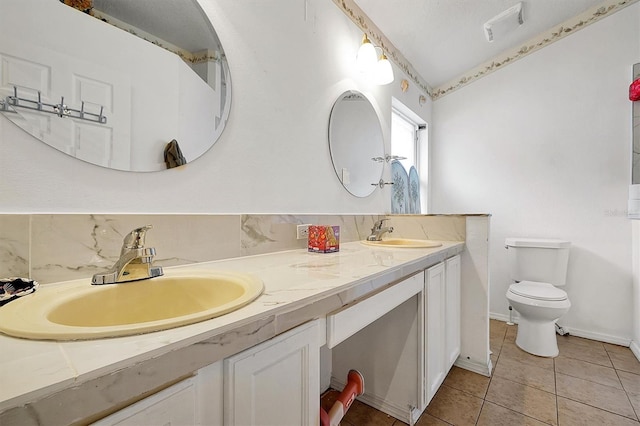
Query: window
[[409, 140], [403, 139]]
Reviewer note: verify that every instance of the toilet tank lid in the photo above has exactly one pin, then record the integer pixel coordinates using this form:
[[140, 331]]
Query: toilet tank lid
[[537, 242]]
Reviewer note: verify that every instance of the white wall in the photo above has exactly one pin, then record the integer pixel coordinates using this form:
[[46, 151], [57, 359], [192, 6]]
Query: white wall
[[289, 61], [635, 344], [544, 146]]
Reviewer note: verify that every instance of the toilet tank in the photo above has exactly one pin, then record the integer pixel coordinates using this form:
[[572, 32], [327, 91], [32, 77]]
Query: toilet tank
[[535, 259]]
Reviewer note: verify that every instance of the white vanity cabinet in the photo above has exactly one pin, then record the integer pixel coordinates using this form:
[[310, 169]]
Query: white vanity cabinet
[[403, 340], [385, 344], [435, 338], [406, 353], [196, 400], [442, 306], [452, 310], [389, 317], [276, 382]]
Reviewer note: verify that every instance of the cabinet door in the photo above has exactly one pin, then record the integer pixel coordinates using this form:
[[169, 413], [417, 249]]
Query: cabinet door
[[175, 405], [452, 310], [435, 328], [193, 401], [276, 382]]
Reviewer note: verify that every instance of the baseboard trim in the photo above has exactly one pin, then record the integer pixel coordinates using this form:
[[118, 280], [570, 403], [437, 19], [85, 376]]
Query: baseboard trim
[[476, 367], [601, 337], [503, 318], [635, 348], [607, 338]]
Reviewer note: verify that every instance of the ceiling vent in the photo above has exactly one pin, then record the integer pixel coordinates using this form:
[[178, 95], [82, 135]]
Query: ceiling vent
[[503, 23]]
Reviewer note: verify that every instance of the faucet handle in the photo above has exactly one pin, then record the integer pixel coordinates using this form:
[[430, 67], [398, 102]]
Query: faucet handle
[[378, 224], [135, 239]]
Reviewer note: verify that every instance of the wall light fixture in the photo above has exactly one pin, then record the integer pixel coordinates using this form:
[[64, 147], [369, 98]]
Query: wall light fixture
[[378, 68]]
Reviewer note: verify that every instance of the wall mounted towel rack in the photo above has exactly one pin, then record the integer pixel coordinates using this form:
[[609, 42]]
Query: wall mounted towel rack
[[61, 110]]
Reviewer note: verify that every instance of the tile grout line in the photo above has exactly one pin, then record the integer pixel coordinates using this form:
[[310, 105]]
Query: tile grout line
[[629, 399], [622, 384], [588, 362], [599, 408], [484, 397], [571, 359], [508, 408], [555, 391], [589, 404], [493, 373], [523, 384], [596, 383], [518, 412]]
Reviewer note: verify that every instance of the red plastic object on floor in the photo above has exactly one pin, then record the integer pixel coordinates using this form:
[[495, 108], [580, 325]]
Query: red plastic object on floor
[[634, 90], [353, 388]]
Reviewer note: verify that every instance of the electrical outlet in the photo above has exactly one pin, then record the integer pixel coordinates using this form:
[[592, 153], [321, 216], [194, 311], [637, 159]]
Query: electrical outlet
[[302, 232]]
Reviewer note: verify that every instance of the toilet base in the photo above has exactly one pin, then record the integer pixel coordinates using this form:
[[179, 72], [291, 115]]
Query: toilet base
[[537, 337]]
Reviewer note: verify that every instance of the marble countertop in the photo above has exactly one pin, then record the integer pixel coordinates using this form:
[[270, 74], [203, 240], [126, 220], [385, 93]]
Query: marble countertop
[[299, 286]]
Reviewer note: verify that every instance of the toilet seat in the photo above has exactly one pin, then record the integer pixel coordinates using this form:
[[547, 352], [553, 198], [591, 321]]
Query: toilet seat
[[538, 291]]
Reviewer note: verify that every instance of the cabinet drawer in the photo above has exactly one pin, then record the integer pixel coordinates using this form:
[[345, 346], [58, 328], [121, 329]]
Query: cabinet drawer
[[346, 322]]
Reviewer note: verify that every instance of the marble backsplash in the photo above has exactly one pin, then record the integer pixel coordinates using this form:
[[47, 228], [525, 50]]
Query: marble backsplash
[[59, 247]]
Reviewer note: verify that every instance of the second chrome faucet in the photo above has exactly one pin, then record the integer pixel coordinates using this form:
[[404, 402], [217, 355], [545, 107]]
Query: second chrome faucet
[[378, 231]]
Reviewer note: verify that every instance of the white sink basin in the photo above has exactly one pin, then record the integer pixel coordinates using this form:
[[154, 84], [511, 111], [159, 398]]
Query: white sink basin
[[79, 310], [403, 243]]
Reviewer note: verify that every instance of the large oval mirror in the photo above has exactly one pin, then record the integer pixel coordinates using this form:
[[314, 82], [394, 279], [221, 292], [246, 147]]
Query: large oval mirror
[[356, 143], [130, 85]]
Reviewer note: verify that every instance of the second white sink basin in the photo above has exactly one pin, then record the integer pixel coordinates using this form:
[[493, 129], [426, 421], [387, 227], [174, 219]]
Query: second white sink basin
[[79, 310], [403, 242]]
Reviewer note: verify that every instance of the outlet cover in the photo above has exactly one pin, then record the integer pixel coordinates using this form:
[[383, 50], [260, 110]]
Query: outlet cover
[[302, 232]]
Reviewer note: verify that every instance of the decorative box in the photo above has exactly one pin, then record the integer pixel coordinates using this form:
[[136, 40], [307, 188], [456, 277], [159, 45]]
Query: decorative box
[[324, 239]]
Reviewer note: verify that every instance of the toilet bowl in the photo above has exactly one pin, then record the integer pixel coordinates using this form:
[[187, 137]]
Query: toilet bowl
[[540, 305], [538, 267]]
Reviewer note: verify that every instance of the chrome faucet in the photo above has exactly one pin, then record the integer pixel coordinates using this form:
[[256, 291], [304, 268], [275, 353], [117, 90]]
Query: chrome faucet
[[134, 263], [378, 231]]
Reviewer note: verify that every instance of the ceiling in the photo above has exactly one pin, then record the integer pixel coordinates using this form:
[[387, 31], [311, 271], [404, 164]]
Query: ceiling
[[443, 39]]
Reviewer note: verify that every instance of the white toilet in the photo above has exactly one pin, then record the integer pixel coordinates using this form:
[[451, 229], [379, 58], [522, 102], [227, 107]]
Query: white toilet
[[538, 266]]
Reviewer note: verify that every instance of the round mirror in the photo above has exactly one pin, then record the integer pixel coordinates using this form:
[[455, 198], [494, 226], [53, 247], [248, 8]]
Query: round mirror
[[130, 85], [356, 143]]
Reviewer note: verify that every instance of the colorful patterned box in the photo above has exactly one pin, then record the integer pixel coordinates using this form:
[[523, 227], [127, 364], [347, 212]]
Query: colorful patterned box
[[324, 239]]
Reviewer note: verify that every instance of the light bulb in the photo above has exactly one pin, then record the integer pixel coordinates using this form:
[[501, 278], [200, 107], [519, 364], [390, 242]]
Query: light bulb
[[383, 73], [367, 57]]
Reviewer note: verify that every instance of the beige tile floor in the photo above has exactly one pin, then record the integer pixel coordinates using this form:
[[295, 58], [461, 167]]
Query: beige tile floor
[[589, 383]]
